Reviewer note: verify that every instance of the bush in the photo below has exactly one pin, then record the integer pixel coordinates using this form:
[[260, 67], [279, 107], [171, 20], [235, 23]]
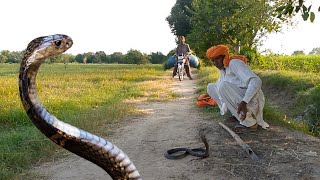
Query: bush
[[251, 53]]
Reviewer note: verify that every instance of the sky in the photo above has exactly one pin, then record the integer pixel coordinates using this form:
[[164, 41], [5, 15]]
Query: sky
[[94, 25], [304, 36], [118, 26]]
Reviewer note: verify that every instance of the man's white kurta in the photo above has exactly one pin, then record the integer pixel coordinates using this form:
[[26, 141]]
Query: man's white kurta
[[238, 83]]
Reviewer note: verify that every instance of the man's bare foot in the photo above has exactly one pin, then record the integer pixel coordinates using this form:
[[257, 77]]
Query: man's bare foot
[[203, 96]]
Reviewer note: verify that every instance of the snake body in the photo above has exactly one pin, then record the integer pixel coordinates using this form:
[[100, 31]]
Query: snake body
[[178, 153], [89, 146]]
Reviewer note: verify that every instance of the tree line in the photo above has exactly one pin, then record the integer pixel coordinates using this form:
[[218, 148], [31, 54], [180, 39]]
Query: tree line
[[314, 51], [131, 57]]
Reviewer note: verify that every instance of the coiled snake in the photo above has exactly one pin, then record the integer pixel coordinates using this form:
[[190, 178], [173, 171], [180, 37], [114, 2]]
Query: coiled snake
[[91, 147]]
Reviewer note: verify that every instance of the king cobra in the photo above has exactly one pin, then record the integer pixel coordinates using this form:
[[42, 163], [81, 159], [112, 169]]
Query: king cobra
[[89, 146]]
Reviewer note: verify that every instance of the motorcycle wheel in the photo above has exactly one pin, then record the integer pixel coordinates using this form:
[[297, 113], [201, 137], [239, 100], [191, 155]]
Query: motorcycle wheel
[[180, 73]]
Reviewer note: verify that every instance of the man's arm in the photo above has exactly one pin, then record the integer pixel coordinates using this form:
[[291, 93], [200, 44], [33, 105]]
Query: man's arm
[[188, 49], [253, 82], [176, 52]]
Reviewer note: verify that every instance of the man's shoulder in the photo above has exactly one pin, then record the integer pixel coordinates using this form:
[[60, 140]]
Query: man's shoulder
[[237, 63]]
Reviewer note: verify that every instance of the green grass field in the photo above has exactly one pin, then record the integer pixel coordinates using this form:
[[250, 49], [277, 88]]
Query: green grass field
[[87, 96]]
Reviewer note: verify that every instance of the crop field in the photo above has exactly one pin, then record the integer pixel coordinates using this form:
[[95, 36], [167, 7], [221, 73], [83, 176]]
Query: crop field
[[87, 96], [301, 63]]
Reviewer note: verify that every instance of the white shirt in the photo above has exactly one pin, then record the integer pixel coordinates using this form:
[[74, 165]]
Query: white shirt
[[240, 74]]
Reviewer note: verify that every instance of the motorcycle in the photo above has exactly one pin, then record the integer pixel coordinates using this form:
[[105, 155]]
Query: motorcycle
[[180, 69]]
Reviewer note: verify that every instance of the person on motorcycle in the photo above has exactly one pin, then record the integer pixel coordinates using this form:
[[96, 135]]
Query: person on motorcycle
[[183, 48]]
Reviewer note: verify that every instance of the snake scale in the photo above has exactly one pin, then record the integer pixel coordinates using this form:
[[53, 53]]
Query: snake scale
[[89, 146]]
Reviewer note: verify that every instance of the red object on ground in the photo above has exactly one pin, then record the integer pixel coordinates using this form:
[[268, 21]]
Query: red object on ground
[[204, 100]]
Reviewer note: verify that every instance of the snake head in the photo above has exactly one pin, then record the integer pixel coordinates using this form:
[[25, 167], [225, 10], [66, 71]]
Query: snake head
[[47, 46]]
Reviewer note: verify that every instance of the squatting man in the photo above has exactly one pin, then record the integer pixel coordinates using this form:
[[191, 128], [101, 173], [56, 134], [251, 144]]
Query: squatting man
[[238, 89]]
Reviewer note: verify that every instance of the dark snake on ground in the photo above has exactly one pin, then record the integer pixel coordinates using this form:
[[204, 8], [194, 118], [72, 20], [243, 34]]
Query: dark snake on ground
[[88, 146], [181, 152]]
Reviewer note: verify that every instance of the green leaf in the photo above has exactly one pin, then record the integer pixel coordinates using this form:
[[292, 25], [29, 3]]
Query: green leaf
[[280, 9], [300, 2], [312, 16], [305, 16], [285, 12], [290, 10], [304, 8], [279, 16]]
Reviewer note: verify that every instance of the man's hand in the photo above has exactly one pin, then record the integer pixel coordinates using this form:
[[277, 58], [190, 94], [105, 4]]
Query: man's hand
[[242, 110]]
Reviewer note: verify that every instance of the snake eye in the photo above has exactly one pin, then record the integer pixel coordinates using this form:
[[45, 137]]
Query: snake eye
[[57, 43]]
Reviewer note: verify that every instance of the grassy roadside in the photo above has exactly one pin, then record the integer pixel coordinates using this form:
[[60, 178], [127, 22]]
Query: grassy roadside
[[299, 98], [292, 98], [87, 96]]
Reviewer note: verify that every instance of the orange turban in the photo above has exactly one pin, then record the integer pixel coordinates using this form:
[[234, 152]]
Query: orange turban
[[218, 50]]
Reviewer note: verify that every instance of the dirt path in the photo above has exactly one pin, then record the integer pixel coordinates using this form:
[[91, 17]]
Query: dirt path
[[284, 154]]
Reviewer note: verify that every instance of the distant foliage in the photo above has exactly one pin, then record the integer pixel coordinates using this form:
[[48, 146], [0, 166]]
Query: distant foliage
[[298, 52], [302, 63], [136, 57], [10, 57], [132, 57], [315, 51], [157, 58]]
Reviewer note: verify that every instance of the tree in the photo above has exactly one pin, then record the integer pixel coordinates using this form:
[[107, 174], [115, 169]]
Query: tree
[[108, 59], [157, 58], [315, 51], [66, 58], [4, 55], [180, 18], [298, 52], [231, 22], [101, 55], [117, 57], [54, 59], [293, 7], [90, 57], [61, 58], [79, 58], [135, 57], [15, 56]]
